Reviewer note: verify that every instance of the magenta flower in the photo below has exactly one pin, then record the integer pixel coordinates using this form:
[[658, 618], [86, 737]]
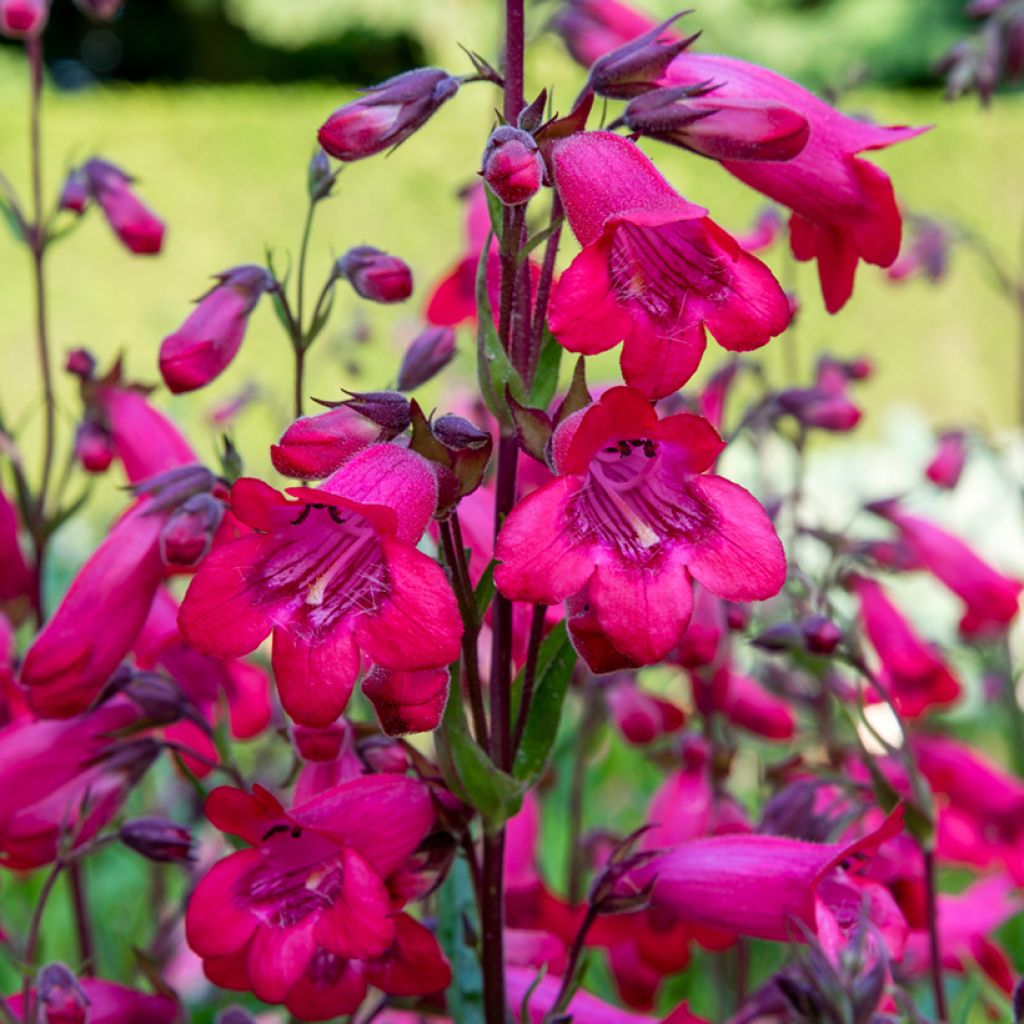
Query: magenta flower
[[655, 270], [761, 885], [375, 275], [15, 578], [335, 576], [512, 165], [843, 207], [23, 19], [947, 464], [114, 1004], [138, 228], [746, 703], [911, 671], [313, 447], [827, 404], [304, 916], [630, 520], [991, 599], [641, 717], [64, 778], [427, 355], [592, 28], [203, 347]]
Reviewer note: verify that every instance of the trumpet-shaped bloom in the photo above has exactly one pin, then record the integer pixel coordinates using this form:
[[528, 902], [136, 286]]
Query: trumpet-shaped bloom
[[63, 777], [630, 520], [913, 674], [655, 270], [138, 228], [843, 207], [304, 916], [201, 349], [335, 576], [991, 599]]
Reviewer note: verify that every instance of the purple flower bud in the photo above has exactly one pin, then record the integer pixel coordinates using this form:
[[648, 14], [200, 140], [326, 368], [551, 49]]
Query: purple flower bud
[[61, 998], [384, 755], [174, 486], [386, 114], [512, 165], [780, 636], [375, 275], [81, 363], [138, 228], [428, 354], [469, 450], [636, 67], [160, 699], [74, 196], [188, 532], [235, 1015], [722, 129], [158, 840], [94, 446], [388, 409], [131, 758], [319, 177], [821, 634]]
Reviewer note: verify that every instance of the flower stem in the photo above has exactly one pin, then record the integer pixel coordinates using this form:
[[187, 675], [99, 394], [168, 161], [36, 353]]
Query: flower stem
[[544, 284], [529, 673], [932, 910], [37, 238], [86, 947], [569, 978], [300, 369], [593, 712], [299, 340], [32, 942]]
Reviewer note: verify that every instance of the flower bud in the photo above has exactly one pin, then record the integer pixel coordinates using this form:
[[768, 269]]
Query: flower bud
[[158, 840], [636, 67], [388, 409], [94, 446], [949, 460], [613, 891], [821, 634], [188, 532], [61, 998], [512, 165], [81, 363], [313, 447], [722, 129], [235, 1015], [23, 19], [131, 758], [169, 489], [160, 699], [74, 196], [375, 275], [386, 114], [138, 228], [384, 755], [428, 354], [320, 178], [100, 10], [469, 450]]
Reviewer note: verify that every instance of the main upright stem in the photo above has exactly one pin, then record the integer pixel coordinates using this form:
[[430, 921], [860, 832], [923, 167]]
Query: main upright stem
[[509, 327]]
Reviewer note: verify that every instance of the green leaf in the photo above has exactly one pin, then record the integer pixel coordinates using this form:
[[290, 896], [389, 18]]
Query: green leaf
[[456, 908], [554, 668], [485, 590], [10, 214], [494, 793], [538, 239], [496, 211], [545, 380], [321, 320], [493, 367]]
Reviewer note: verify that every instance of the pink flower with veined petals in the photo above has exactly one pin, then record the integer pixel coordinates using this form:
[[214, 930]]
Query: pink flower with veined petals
[[655, 270], [843, 207], [630, 520], [304, 915], [992, 600], [336, 577], [911, 671]]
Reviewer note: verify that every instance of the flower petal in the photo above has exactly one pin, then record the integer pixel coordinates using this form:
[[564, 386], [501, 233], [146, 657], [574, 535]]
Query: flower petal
[[315, 679]]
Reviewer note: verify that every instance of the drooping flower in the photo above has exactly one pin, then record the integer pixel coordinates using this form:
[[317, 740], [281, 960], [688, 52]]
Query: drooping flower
[[843, 207], [138, 228], [114, 1004], [746, 703], [911, 671], [991, 599], [335, 576], [630, 520], [304, 916], [313, 447], [203, 347], [375, 275], [827, 404], [64, 780], [655, 270]]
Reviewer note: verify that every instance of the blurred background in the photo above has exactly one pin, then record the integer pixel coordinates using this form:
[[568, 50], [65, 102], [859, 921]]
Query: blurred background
[[214, 105]]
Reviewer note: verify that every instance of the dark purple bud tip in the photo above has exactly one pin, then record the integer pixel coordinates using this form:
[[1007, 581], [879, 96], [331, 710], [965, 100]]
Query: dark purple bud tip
[[81, 362], [428, 354], [62, 999], [158, 840]]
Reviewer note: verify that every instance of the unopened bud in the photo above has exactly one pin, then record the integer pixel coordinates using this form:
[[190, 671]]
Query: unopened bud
[[130, 758], [169, 489], [386, 114], [319, 177], [159, 698], [948, 463], [80, 362], [235, 1015], [512, 165], [94, 446], [821, 634], [384, 755], [61, 998], [388, 409], [23, 19], [780, 636], [188, 532], [375, 275], [158, 840], [74, 196], [428, 354], [636, 67], [469, 450]]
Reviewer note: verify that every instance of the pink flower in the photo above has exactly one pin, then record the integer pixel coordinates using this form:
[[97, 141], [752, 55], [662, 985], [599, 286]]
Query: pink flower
[[948, 462], [138, 228], [592, 28], [630, 520], [639, 716], [759, 885], [313, 447], [114, 1004], [843, 207], [538, 995], [655, 270], [765, 231], [335, 576], [912, 673], [992, 600], [68, 777], [23, 19], [375, 275], [827, 405], [967, 923], [304, 916], [512, 165], [746, 703], [15, 578], [203, 347]]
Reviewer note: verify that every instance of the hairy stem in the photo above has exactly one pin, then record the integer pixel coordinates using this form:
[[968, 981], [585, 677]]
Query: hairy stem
[[544, 284], [529, 673]]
